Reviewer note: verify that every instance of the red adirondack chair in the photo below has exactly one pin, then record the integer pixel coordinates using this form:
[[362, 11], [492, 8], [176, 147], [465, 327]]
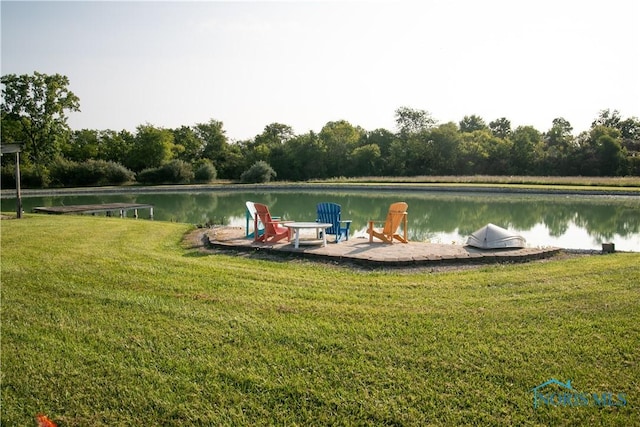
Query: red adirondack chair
[[273, 229]]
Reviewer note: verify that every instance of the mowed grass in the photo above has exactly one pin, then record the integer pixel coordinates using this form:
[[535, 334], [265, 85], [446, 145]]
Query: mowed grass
[[109, 321]]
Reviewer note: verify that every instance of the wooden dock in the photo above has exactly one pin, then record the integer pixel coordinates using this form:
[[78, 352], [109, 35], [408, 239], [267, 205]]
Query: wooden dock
[[110, 209]]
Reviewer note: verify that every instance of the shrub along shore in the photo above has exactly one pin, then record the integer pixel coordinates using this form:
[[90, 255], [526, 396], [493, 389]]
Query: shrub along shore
[[109, 321]]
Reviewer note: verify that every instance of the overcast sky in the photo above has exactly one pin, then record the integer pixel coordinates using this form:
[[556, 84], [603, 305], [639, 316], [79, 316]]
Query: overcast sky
[[303, 64]]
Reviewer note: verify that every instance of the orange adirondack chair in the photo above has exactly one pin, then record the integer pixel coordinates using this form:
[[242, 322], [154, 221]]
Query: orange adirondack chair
[[397, 215], [273, 230]]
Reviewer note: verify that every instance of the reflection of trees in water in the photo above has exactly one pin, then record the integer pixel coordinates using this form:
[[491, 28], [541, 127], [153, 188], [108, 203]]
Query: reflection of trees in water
[[429, 213], [463, 214], [199, 208], [604, 222], [602, 218]]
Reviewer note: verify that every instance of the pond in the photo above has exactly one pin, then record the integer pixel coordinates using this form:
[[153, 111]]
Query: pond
[[567, 221]]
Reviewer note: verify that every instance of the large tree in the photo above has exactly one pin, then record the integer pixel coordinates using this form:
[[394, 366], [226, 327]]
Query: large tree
[[472, 123], [500, 127], [34, 112], [525, 149], [215, 144], [412, 121], [340, 138], [152, 148]]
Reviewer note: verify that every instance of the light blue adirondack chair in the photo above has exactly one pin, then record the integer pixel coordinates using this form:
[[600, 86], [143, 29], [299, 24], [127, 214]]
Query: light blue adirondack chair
[[250, 215], [331, 213]]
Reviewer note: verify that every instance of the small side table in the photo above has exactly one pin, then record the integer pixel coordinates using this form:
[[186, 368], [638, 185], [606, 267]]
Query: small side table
[[318, 226]]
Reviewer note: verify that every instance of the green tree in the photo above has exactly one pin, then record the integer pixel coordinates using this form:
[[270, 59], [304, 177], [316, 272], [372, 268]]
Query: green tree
[[115, 146], [306, 153], [630, 128], [472, 123], [607, 118], [34, 111], [445, 148], [269, 145], [152, 148], [558, 148], [500, 127], [411, 121], [384, 139], [612, 156], [82, 145], [481, 152], [340, 139], [396, 164], [419, 153], [215, 144], [191, 145], [365, 160], [234, 162], [275, 134], [524, 152], [604, 152]]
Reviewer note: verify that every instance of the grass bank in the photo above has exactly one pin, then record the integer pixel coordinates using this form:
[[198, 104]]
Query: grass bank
[[536, 184], [111, 321], [575, 181]]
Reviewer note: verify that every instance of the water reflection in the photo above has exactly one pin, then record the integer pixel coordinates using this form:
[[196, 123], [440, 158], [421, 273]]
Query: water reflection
[[582, 222]]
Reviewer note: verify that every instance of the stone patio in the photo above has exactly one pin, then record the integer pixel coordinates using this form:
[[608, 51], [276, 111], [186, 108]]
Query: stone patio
[[361, 251]]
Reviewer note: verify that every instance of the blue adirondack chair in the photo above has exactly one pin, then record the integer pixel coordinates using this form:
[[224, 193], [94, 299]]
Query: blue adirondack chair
[[330, 213]]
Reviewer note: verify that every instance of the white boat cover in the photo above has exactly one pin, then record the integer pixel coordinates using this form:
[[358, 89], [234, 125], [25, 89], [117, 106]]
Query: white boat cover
[[493, 237]]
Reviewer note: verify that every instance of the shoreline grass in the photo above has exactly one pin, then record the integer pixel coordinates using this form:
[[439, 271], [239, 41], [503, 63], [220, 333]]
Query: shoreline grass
[[629, 185], [569, 181], [109, 321]]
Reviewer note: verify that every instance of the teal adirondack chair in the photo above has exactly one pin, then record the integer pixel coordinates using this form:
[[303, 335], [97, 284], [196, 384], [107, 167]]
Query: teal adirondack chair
[[250, 216], [331, 213]]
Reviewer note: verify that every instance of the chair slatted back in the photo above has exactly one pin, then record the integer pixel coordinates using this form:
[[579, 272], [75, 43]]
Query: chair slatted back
[[265, 218], [329, 213], [396, 213]]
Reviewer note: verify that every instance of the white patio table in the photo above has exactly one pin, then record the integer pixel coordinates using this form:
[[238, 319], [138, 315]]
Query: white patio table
[[318, 226]]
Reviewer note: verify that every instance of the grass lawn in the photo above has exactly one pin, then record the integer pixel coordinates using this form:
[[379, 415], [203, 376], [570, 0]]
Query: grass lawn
[[109, 321]]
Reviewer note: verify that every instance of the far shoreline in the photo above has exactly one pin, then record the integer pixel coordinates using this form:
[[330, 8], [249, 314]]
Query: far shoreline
[[409, 187]]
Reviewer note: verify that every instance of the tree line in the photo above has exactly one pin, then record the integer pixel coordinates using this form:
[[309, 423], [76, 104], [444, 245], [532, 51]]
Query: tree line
[[34, 112]]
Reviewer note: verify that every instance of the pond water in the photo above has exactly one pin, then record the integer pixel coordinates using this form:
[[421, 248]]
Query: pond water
[[572, 222]]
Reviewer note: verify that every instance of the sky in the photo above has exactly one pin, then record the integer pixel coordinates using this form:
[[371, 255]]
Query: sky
[[307, 63]]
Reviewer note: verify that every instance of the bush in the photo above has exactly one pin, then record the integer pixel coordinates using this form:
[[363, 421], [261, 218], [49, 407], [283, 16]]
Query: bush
[[205, 171], [174, 172], [149, 176], [30, 177], [634, 165], [118, 174], [260, 172], [89, 173], [8, 176]]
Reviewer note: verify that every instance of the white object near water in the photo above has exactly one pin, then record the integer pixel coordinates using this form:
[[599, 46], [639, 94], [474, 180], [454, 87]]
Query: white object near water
[[493, 237]]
